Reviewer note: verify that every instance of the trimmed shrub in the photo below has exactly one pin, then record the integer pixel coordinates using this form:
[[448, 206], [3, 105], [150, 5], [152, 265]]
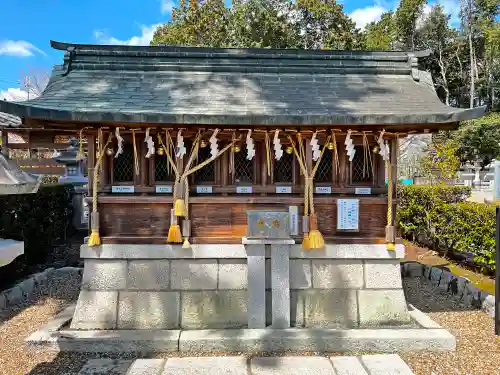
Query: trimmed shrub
[[41, 220], [440, 218]]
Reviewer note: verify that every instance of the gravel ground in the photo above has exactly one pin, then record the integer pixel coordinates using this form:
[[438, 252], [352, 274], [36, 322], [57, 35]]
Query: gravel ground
[[478, 351]]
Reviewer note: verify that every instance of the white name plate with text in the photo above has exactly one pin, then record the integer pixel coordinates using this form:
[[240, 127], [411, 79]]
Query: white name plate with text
[[283, 190], [204, 189], [348, 214], [164, 189], [244, 189], [363, 190], [294, 220], [123, 189], [323, 189]]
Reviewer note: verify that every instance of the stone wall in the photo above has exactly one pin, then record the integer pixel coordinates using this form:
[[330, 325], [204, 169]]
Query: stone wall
[[167, 287]]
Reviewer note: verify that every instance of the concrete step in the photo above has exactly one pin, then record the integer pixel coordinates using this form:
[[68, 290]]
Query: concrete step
[[379, 364]]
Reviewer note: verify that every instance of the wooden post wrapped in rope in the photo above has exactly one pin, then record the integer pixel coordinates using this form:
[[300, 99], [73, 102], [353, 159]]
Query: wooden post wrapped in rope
[[313, 239], [95, 239], [174, 232]]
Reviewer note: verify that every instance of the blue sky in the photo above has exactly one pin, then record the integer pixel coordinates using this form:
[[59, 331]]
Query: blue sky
[[27, 26]]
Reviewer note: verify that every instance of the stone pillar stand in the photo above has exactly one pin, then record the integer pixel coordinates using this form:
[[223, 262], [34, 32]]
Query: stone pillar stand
[[280, 281]]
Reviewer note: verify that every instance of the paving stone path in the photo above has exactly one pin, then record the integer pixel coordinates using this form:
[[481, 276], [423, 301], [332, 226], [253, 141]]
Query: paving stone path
[[379, 364]]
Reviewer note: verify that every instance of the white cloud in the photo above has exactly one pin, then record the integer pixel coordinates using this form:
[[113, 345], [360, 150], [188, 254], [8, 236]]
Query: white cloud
[[167, 6], [451, 7], [363, 16], [144, 39], [20, 48], [13, 94]]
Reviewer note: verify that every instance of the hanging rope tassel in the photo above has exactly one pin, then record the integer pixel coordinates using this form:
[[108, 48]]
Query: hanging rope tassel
[[95, 239], [390, 231], [316, 240], [180, 204], [186, 224], [136, 157], [81, 153], [268, 154], [174, 231]]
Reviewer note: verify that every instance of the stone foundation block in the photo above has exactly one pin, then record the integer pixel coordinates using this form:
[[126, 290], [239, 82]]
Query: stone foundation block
[[99, 274], [337, 274], [148, 275], [334, 308], [297, 317], [233, 274], [214, 309], [300, 274], [148, 310], [194, 274], [382, 274], [382, 308], [95, 310]]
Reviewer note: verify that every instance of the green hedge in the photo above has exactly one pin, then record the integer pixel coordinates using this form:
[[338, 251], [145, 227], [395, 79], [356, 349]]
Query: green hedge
[[439, 217], [40, 220]]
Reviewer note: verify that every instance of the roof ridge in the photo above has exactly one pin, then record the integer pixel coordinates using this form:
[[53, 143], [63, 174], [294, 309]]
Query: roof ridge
[[63, 46]]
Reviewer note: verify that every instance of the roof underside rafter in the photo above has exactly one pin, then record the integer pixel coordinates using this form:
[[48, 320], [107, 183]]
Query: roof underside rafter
[[237, 87]]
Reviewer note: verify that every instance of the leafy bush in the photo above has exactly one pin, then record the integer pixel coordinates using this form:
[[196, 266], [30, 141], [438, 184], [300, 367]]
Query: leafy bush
[[439, 217], [40, 220], [50, 179]]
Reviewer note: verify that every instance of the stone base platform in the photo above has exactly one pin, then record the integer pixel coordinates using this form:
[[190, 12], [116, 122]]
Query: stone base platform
[[429, 336]]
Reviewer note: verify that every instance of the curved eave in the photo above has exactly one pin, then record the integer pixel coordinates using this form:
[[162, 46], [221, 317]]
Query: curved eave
[[49, 114]]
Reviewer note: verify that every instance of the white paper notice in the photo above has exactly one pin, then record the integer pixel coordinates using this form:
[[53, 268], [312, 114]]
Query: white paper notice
[[348, 214], [294, 220]]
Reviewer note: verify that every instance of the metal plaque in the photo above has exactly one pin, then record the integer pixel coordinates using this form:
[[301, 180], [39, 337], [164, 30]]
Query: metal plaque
[[244, 189], [123, 189], [268, 224], [283, 190], [323, 189], [204, 189], [164, 189], [363, 190]]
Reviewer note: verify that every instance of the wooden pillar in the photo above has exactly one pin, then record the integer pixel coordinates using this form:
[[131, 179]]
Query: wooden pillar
[[260, 153], [394, 149], [143, 163]]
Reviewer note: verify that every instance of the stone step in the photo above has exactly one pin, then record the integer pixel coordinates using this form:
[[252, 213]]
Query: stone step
[[378, 364]]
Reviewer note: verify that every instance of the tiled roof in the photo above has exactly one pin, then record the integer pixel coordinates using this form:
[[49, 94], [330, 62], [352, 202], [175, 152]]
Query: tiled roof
[[188, 85]]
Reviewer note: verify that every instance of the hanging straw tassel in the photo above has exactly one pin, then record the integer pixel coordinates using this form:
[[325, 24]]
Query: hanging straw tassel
[[95, 239], [81, 154], [186, 224], [306, 244], [180, 204], [268, 154], [136, 157], [174, 232], [316, 240], [390, 230]]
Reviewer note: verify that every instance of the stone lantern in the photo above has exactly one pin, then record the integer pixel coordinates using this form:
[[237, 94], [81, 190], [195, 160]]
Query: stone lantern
[[74, 174], [74, 168]]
